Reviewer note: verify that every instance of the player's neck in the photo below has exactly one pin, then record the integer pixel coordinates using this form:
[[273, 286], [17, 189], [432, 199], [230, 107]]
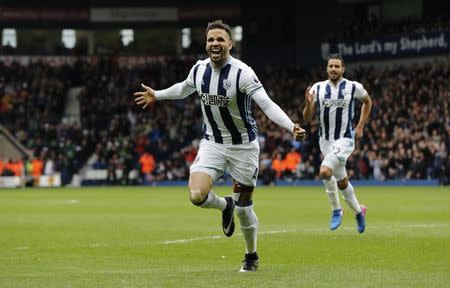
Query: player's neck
[[335, 82], [221, 64]]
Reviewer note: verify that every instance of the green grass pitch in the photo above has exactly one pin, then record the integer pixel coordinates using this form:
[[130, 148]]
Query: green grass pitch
[[154, 237]]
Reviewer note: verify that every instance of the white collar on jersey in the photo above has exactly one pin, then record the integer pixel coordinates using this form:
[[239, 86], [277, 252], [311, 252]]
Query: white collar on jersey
[[224, 64], [337, 84]]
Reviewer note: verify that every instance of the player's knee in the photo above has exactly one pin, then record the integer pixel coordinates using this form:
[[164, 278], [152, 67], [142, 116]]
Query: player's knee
[[245, 192], [196, 196], [325, 173], [199, 187], [342, 184]]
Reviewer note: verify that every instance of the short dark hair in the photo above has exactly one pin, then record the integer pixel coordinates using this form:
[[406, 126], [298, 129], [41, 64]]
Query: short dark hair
[[336, 56], [218, 24]]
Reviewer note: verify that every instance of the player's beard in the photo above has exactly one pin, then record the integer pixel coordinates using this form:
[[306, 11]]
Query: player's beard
[[335, 77], [219, 58]]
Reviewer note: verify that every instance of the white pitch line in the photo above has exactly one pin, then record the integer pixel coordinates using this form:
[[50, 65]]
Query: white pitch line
[[95, 245], [323, 229], [62, 202], [188, 240], [22, 248], [184, 241], [426, 225]]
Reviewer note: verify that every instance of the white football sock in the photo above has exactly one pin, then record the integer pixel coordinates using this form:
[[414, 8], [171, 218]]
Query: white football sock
[[214, 201], [350, 198], [332, 192], [249, 227]]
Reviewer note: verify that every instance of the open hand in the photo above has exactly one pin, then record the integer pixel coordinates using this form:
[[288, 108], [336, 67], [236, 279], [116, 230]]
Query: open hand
[[146, 97]]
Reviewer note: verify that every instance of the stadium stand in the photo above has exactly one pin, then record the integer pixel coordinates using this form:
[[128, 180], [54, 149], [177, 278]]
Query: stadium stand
[[407, 137], [75, 111]]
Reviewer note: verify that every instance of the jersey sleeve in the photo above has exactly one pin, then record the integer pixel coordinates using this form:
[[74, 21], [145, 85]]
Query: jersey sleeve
[[272, 110], [249, 82], [360, 92], [190, 79]]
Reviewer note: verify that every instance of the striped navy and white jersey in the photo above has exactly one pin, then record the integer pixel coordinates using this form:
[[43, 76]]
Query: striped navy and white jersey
[[226, 101], [335, 107]]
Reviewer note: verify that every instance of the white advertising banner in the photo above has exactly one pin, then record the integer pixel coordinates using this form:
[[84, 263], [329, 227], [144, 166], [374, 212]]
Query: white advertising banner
[[50, 181], [10, 181]]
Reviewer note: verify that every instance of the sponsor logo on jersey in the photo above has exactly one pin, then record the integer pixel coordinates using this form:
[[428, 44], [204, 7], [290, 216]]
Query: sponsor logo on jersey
[[214, 100], [339, 103]]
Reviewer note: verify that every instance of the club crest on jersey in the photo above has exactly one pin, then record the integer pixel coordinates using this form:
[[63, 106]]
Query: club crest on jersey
[[226, 84], [255, 79]]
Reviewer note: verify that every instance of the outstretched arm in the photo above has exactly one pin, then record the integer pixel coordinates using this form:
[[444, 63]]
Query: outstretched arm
[[178, 91], [274, 112], [309, 110], [365, 113]]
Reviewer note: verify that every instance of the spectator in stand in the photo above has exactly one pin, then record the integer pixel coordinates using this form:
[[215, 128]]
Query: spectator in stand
[[8, 169], [147, 167], [37, 169], [278, 164], [292, 160], [14, 168]]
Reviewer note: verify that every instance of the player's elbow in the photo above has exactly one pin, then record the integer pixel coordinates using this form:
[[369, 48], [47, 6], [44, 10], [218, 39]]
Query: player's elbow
[[367, 100]]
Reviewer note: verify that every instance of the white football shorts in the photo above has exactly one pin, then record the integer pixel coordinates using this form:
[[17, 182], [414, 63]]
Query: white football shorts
[[336, 153], [241, 161]]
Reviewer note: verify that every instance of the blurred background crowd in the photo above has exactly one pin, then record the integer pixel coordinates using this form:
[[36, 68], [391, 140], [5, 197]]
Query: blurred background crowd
[[407, 137]]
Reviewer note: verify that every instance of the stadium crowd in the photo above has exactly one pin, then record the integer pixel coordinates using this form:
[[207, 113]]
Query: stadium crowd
[[407, 136]]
